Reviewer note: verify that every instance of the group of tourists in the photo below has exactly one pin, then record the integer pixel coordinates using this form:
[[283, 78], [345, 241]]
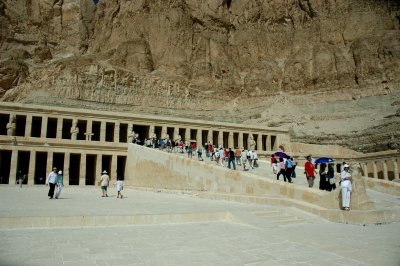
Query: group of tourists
[[284, 166]]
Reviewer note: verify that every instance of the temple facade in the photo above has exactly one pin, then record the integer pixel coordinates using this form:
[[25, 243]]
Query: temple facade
[[82, 143]]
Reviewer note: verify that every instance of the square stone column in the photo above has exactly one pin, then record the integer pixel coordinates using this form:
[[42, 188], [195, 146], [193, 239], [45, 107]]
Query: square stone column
[[89, 130], [28, 126], [59, 128], [395, 169], [113, 172], [231, 142], [49, 165], [151, 131], [240, 140], [66, 169], [385, 170], [13, 167], [43, 132], [102, 131], [199, 137], [365, 169], [268, 143], [187, 134], [82, 170], [31, 171], [116, 131], [210, 138], [374, 169], [259, 142], [220, 138], [176, 133], [99, 169]]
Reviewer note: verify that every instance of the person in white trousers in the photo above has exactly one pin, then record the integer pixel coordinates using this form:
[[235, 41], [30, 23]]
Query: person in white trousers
[[345, 184]]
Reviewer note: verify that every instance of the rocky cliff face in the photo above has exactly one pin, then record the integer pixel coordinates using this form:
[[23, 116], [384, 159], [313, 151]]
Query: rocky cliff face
[[328, 69]]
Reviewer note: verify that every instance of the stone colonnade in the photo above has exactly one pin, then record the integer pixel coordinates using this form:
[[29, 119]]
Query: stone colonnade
[[83, 143], [382, 168]]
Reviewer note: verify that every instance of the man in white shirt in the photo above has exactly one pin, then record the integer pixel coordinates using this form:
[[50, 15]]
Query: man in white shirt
[[345, 184], [51, 181]]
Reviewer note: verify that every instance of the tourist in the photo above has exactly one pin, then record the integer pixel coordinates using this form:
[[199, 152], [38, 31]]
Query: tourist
[[310, 171], [238, 156], [212, 152], [294, 167], [221, 156], [323, 177], [244, 159], [51, 182], [255, 159], [200, 153], [207, 150], [104, 182], [59, 184], [331, 177], [281, 169], [250, 158], [231, 156], [190, 151], [226, 158], [274, 164], [345, 184], [20, 179], [288, 170], [120, 186]]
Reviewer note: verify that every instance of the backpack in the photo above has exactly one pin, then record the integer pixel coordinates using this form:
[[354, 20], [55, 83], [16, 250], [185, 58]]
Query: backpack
[[289, 164]]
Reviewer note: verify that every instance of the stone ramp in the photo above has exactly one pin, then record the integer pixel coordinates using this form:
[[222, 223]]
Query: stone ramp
[[154, 169]]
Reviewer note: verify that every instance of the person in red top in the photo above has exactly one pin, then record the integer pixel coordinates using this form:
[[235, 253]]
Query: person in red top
[[310, 172]]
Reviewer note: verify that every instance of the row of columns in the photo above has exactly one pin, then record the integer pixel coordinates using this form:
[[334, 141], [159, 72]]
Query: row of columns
[[384, 163], [65, 167], [102, 134]]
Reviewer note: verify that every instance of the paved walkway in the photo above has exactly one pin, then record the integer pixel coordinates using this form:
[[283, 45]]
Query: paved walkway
[[180, 229]]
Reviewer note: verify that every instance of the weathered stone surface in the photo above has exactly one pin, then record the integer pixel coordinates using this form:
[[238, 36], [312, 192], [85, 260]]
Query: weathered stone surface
[[211, 58]]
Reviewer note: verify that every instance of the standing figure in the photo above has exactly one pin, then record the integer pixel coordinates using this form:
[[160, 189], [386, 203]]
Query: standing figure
[[323, 176], [251, 143], [120, 186], [20, 179], [51, 181], [274, 164], [131, 134], [11, 126], [310, 172], [104, 181], [282, 170], [231, 159], [74, 130], [345, 184], [59, 184]]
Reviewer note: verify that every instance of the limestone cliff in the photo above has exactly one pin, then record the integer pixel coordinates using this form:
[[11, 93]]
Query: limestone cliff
[[328, 69]]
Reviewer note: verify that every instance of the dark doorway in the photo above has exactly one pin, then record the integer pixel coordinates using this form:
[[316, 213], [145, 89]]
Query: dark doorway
[[36, 126], [5, 166], [193, 135], [170, 132], [40, 168], [245, 138], [96, 126], [106, 164], [236, 140], [90, 169], [264, 143], [23, 165], [215, 138], [58, 161], [20, 125], [157, 131], [182, 132], [110, 132], [74, 168], [66, 128], [204, 136], [142, 131], [4, 118], [226, 139], [273, 143], [121, 163], [82, 126], [123, 130], [51, 128]]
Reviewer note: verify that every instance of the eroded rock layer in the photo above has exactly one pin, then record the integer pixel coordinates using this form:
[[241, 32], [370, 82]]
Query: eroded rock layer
[[328, 69]]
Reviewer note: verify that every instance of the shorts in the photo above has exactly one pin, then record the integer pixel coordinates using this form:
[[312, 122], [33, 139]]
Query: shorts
[[104, 187]]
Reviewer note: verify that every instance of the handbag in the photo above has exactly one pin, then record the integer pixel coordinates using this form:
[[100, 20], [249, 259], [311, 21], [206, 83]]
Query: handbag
[[332, 180]]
